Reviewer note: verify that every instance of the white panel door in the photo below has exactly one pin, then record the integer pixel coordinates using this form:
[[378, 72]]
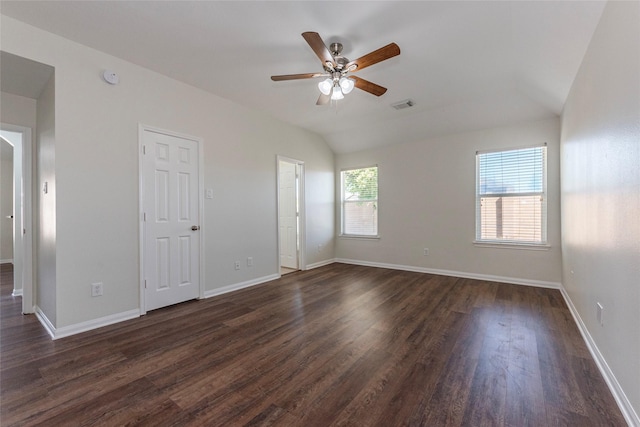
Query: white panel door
[[171, 220], [288, 211]]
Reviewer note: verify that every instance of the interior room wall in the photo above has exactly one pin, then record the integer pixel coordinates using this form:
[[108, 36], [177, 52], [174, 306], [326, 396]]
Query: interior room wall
[[96, 175], [427, 200], [45, 247], [601, 193], [17, 110]]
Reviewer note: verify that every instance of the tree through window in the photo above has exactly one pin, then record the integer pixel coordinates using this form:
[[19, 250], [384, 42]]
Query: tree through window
[[360, 201]]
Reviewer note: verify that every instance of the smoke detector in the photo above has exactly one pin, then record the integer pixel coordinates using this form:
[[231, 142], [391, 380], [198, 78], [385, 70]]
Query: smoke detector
[[110, 77]]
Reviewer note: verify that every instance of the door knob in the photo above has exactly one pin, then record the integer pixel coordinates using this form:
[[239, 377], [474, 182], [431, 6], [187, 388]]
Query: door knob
[[195, 227]]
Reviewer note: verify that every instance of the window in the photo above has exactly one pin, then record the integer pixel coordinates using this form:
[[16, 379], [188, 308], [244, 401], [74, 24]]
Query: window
[[360, 201], [511, 196]]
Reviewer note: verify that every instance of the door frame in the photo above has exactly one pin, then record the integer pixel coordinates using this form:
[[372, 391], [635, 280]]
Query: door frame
[[23, 246], [142, 128], [301, 214]]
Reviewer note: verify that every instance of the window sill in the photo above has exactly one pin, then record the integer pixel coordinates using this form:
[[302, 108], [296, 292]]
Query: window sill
[[512, 245], [357, 237]]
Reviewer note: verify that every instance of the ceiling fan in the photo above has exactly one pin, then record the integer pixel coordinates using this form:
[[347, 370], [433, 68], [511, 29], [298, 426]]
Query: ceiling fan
[[338, 78]]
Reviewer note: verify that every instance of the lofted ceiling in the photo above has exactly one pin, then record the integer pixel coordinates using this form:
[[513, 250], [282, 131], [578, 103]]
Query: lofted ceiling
[[466, 65]]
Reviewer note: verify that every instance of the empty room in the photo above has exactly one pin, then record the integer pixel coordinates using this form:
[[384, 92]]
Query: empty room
[[320, 213]]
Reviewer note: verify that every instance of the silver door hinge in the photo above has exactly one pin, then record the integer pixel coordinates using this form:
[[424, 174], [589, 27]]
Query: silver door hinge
[[144, 216], [144, 149], [145, 283]]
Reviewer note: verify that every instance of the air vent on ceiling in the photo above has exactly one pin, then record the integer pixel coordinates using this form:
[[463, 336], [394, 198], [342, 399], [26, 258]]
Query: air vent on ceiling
[[403, 104]]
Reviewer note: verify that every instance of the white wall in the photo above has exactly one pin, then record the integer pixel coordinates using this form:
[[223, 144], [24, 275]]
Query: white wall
[[427, 200], [601, 192], [45, 204], [17, 110], [6, 202], [96, 174]]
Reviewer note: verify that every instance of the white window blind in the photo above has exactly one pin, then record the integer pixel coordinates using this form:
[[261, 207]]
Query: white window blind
[[511, 196], [360, 201]]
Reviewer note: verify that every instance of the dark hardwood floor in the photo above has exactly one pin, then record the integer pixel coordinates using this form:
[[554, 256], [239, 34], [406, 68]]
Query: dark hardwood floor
[[339, 345]]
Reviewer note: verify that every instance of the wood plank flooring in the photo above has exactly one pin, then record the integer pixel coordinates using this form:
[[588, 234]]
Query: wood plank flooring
[[339, 345]]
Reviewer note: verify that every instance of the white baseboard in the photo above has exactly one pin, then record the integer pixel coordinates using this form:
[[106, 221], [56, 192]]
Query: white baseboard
[[320, 264], [6, 261], [16, 293], [57, 333], [44, 320], [241, 285], [465, 275], [623, 402]]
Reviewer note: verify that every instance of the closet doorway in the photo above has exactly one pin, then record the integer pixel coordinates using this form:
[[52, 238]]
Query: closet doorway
[[290, 204]]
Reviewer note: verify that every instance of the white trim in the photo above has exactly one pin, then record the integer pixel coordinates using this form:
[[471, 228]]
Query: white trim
[[462, 274], [359, 236], [57, 333], [241, 285], [630, 415], [375, 165], [6, 261], [524, 147], [320, 264], [512, 245], [142, 128], [16, 293], [44, 320]]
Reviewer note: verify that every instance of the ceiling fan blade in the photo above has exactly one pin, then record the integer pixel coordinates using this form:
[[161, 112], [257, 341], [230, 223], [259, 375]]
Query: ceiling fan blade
[[318, 46], [367, 86], [323, 99], [384, 53], [297, 76]]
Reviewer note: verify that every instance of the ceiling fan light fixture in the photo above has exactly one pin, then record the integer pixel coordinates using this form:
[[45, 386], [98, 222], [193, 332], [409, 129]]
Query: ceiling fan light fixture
[[347, 85], [337, 93], [325, 86]]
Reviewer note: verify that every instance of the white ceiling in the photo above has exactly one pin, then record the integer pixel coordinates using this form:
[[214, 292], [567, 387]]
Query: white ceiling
[[466, 65]]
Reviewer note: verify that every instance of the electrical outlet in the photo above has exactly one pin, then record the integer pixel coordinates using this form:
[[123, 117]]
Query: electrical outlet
[[96, 289], [237, 265], [250, 261], [426, 251], [600, 313], [319, 247]]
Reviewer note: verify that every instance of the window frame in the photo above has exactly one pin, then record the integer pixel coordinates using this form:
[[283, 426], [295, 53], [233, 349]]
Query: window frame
[[515, 244], [342, 205]]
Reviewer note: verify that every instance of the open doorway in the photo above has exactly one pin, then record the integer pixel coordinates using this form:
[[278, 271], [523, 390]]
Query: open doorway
[[290, 178], [25, 109], [16, 210]]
